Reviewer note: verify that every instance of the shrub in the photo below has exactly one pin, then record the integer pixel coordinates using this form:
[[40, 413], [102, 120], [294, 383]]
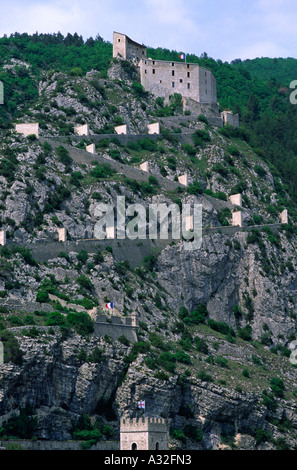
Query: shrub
[[221, 327], [277, 387], [201, 345], [42, 296], [195, 188], [202, 375], [82, 256], [260, 171], [246, 373], [167, 361], [12, 351], [84, 282], [138, 90], [193, 432], [189, 149], [262, 436], [233, 151], [81, 322], [122, 339], [179, 435], [55, 319], [182, 357], [102, 170], [245, 333], [200, 137], [221, 361], [63, 155], [21, 426], [203, 118], [161, 375]]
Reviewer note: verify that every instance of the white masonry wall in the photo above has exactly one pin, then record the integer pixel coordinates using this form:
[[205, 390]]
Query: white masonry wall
[[144, 166], [3, 237], [28, 128], [82, 130], [91, 148], [236, 199], [154, 128], [62, 234], [237, 219], [183, 179], [284, 217]]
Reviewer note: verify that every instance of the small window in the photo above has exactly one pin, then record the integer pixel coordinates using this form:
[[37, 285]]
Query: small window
[[145, 71], [153, 62], [188, 74], [181, 80], [160, 81], [119, 40], [172, 73], [134, 446], [172, 64], [188, 66], [142, 52], [154, 71], [189, 86], [173, 84]]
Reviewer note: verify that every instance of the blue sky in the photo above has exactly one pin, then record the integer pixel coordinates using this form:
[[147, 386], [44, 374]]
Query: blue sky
[[225, 29]]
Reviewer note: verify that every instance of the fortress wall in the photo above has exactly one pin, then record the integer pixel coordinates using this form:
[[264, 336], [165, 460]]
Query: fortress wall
[[59, 445], [230, 118], [81, 156], [28, 128], [158, 77], [123, 250], [126, 48], [115, 331], [119, 45]]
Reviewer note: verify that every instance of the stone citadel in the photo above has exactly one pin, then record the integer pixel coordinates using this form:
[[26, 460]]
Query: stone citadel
[[196, 84]]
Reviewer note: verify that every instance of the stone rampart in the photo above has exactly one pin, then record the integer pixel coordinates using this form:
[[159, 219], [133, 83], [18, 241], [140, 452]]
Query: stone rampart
[[115, 327], [58, 445]]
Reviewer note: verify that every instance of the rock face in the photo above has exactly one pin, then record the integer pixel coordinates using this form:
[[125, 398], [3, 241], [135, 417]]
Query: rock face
[[215, 324]]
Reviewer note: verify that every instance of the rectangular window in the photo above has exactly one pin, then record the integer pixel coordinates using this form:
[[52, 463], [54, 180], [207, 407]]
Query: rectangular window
[[119, 40], [154, 71], [145, 71], [153, 62], [173, 85], [181, 80], [189, 86], [172, 73], [188, 74], [172, 64], [160, 81], [188, 66]]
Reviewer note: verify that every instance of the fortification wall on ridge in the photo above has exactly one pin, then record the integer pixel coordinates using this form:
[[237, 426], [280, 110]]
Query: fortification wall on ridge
[[126, 48]]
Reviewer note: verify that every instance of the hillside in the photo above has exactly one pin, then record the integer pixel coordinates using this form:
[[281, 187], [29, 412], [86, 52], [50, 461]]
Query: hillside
[[212, 350]]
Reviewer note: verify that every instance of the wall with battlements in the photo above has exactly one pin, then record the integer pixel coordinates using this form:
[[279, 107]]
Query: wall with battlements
[[164, 78], [115, 327], [144, 433]]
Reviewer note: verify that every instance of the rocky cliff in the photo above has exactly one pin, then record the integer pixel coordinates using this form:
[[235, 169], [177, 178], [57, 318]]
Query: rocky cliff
[[215, 324]]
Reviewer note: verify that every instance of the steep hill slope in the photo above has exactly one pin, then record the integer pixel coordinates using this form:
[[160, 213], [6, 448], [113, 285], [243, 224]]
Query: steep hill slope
[[215, 324]]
